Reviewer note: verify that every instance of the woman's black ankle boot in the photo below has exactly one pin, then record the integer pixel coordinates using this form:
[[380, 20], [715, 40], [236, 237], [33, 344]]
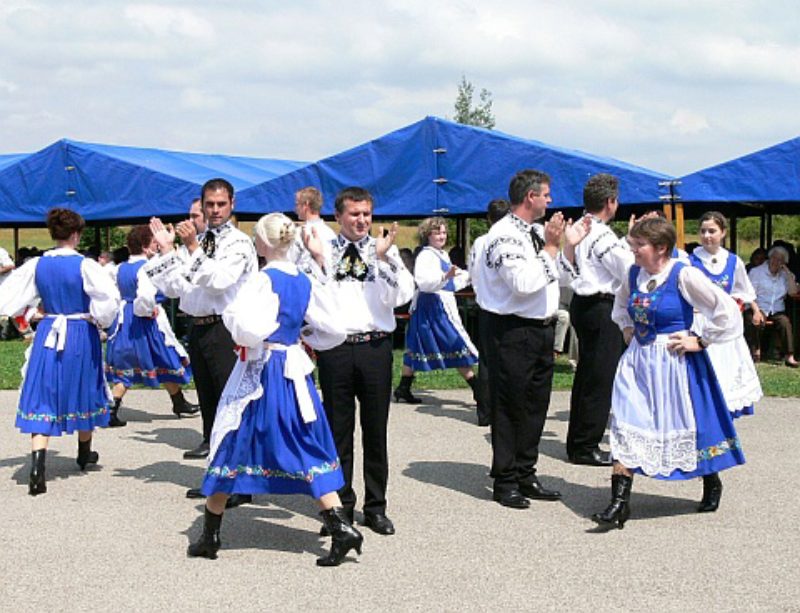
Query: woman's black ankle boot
[[403, 391], [181, 406], [209, 543], [345, 537], [712, 493], [36, 483], [619, 510], [114, 421], [85, 454]]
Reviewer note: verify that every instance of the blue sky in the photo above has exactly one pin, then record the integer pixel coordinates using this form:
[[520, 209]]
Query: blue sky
[[672, 85]]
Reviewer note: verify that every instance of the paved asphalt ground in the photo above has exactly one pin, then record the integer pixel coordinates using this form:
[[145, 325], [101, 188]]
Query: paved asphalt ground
[[114, 538]]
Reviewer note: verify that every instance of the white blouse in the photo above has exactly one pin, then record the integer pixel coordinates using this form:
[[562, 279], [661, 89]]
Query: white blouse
[[428, 271], [723, 318], [20, 292]]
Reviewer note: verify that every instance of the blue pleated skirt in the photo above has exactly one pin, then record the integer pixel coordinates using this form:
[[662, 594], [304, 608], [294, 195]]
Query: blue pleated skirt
[[274, 451], [138, 353], [435, 337], [66, 390]]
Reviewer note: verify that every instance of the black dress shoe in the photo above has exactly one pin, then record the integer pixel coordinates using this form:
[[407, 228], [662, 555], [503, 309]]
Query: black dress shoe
[[513, 499], [537, 491], [195, 492], [595, 457], [379, 523], [198, 453], [236, 500]]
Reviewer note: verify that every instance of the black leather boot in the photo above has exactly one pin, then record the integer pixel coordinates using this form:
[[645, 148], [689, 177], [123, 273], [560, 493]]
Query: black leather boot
[[403, 391], [181, 406], [36, 483], [345, 537], [209, 543], [619, 510], [712, 493], [85, 454], [115, 421], [473, 384], [349, 514]]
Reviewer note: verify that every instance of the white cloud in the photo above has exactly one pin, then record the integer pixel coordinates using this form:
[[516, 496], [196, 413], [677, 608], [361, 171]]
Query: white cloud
[[688, 122]]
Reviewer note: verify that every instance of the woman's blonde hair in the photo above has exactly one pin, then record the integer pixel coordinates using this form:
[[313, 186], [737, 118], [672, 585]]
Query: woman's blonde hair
[[276, 230], [428, 226]]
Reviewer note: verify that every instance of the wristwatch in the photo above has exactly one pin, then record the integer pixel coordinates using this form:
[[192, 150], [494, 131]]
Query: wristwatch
[[702, 342]]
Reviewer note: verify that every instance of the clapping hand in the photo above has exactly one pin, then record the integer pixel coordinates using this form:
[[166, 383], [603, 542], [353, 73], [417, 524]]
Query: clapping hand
[[385, 240], [313, 243], [164, 235]]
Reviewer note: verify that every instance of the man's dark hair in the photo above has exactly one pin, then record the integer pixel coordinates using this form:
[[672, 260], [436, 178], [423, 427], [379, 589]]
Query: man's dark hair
[[356, 194], [214, 184], [598, 190], [526, 181], [496, 210]]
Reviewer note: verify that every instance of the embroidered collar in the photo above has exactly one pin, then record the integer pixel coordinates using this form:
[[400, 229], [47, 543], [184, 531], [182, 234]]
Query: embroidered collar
[[520, 224], [220, 230]]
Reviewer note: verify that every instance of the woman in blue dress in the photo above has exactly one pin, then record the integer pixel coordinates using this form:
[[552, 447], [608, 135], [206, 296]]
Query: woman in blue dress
[[731, 360], [142, 347], [270, 433], [435, 337], [64, 388], [669, 419]]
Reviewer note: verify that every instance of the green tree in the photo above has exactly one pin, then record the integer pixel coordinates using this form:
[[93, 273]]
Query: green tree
[[479, 115]]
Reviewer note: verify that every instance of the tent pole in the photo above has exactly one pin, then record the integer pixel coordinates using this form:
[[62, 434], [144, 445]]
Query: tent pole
[[762, 228], [16, 244], [769, 228], [679, 224], [732, 235]]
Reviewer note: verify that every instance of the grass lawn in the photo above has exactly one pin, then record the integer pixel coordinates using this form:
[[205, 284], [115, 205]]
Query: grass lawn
[[776, 379]]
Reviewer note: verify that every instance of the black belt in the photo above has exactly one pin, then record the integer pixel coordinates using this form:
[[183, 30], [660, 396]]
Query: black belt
[[365, 337], [598, 296], [528, 321], [206, 320]]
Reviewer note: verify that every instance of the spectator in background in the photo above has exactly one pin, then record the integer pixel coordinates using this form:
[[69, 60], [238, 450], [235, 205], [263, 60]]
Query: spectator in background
[[757, 258], [773, 281]]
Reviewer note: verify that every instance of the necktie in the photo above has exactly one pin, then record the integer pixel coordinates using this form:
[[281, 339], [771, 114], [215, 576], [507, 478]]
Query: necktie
[[538, 243], [209, 244], [351, 265]]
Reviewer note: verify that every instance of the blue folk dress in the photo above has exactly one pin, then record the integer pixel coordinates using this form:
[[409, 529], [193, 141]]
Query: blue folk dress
[[270, 433], [435, 337], [731, 360], [64, 387], [669, 419], [143, 348]]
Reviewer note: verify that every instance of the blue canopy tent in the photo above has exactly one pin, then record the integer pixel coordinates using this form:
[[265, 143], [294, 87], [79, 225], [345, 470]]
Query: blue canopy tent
[[436, 166], [767, 180], [762, 183], [107, 183]]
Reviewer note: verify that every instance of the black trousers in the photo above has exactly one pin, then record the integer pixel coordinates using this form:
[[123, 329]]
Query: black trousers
[[360, 371], [484, 399], [211, 350], [783, 328], [601, 346], [520, 353]]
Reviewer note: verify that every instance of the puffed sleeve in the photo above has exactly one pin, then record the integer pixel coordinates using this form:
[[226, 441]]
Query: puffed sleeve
[[522, 276], [145, 302], [613, 254], [619, 313], [19, 289], [723, 318], [217, 275], [253, 315], [170, 273], [396, 282], [322, 330], [742, 287], [102, 291], [428, 272]]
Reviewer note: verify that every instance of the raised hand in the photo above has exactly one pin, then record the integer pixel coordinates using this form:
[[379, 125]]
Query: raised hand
[[187, 232], [164, 235], [554, 230], [382, 243], [313, 243], [574, 233]]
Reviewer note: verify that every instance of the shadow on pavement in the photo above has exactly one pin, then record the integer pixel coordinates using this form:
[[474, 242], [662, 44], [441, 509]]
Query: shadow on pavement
[[179, 438]]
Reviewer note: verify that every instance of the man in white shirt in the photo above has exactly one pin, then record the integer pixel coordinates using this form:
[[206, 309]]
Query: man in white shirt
[[521, 294], [368, 281], [772, 281], [216, 265], [307, 205], [496, 210], [602, 260]]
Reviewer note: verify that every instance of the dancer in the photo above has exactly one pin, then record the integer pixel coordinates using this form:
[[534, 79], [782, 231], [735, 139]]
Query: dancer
[[731, 360], [142, 347], [669, 419], [271, 434], [64, 388], [436, 338]]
